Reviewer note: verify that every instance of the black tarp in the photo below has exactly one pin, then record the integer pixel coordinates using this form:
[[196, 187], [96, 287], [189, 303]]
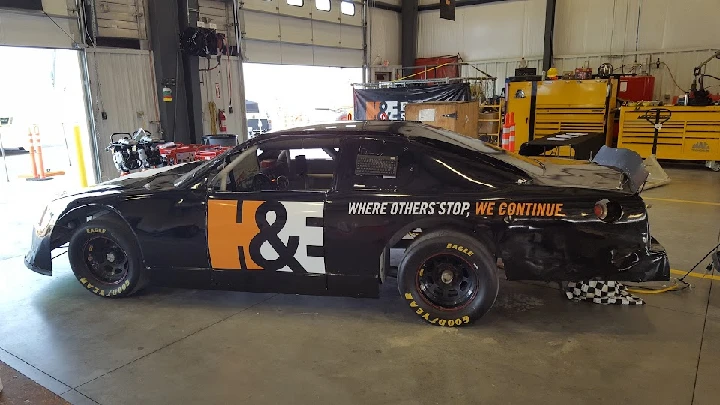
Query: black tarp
[[389, 104], [23, 4]]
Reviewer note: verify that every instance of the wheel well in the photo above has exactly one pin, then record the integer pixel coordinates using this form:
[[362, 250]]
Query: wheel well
[[483, 233], [69, 221]]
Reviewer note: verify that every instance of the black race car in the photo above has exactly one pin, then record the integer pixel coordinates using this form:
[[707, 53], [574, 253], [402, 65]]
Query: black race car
[[316, 210]]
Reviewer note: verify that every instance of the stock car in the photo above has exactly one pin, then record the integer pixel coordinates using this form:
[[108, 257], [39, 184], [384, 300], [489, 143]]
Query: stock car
[[316, 210]]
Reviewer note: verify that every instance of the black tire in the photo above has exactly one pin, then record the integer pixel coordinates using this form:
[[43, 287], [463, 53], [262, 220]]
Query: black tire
[[448, 278], [115, 269]]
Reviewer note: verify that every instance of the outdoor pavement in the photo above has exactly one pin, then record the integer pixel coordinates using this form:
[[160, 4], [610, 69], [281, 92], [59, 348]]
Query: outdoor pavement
[[169, 346]]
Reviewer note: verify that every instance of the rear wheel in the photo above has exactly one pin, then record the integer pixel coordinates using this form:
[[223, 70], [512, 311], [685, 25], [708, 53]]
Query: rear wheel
[[448, 278], [105, 258]]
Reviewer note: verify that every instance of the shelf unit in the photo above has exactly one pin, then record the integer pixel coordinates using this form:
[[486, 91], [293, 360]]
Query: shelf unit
[[485, 124]]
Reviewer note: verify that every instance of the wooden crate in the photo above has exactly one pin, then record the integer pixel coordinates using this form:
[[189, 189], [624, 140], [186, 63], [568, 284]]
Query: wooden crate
[[456, 116]]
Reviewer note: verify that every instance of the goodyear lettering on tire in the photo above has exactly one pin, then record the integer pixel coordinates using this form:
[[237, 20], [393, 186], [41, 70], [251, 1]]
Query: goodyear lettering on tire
[[424, 314], [104, 293]]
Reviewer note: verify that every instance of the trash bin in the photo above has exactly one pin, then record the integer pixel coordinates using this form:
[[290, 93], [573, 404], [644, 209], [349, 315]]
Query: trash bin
[[220, 140]]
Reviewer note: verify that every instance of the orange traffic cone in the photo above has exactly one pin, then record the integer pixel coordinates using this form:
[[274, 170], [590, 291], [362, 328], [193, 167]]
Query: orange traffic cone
[[36, 158], [505, 139], [511, 147]]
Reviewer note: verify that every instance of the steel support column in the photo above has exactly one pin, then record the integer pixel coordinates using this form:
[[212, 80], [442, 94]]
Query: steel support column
[[549, 33], [189, 14], [409, 33], [181, 118]]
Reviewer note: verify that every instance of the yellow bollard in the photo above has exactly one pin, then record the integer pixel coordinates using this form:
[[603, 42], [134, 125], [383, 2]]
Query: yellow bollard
[[80, 158]]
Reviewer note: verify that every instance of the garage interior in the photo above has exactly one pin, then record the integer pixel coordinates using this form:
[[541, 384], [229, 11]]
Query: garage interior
[[78, 71]]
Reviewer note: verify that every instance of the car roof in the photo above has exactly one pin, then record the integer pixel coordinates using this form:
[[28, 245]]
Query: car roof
[[341, 128]]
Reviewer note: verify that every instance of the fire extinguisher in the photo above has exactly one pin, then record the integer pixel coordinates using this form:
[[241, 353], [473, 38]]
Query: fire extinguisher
[[221, 120]]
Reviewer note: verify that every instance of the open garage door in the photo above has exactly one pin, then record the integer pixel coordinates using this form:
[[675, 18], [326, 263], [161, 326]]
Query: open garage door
[[122, 85], [297, 32], [38, 23]]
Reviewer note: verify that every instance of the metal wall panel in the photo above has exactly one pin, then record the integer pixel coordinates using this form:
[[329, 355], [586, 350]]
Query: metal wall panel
[[502, 69], [501, 30], [122, 85], [227, 78], [679, 33], [611, 26], [384, 33]]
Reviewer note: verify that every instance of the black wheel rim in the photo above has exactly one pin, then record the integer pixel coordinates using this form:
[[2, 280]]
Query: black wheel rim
[[447, 281], [105, 259]]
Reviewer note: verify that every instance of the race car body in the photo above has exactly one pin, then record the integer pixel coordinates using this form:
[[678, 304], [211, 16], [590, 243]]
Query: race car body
[[315, 210]]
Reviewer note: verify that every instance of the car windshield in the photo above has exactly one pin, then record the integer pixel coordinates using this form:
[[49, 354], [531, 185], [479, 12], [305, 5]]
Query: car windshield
[[200, 167], [442, 135]]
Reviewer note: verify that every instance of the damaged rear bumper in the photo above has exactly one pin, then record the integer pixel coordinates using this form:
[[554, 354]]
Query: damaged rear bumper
[[653, 266], [38, 259]]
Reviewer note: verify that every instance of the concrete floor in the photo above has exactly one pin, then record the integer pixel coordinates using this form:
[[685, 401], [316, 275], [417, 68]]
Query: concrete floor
[[169, 346]]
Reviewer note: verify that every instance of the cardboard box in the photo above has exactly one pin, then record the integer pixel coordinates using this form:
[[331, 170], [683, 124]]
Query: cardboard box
[[485, 126], [456, 116]]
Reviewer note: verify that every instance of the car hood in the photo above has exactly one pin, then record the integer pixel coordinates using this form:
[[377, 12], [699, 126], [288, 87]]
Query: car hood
[[149, 180]]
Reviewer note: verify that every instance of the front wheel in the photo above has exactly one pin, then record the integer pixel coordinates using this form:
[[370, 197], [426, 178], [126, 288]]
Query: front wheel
[[105, 258], [448, 278]]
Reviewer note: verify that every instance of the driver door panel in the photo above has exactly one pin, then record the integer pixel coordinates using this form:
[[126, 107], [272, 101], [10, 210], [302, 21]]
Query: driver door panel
[[267, 241]]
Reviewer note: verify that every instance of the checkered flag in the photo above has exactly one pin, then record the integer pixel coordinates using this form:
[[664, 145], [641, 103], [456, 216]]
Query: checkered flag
[[601, 292]]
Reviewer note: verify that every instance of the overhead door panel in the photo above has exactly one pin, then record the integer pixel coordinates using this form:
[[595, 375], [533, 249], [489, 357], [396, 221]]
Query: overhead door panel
[[296, 11], [23, 28], [331, 16], [295, 31], [355, 19], [296, 54], [121, 19], [270, 6], [326, 34], [262, 26], [308, 35], [263, 52], [351, 37], [215, 12], [337, 57]]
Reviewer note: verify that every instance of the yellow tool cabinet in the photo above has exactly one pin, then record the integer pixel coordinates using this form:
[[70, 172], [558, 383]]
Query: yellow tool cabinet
[[691, 133], [544, 108]]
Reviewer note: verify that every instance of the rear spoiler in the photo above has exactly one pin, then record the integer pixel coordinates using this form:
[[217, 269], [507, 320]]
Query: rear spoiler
[[625, 161]]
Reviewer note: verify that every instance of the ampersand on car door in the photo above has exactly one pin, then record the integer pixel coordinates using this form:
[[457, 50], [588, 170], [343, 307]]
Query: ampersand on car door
[[266, 235]]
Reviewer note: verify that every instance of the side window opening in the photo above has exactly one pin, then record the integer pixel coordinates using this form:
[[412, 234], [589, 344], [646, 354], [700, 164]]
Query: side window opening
[[277, 169], [382, 165]]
